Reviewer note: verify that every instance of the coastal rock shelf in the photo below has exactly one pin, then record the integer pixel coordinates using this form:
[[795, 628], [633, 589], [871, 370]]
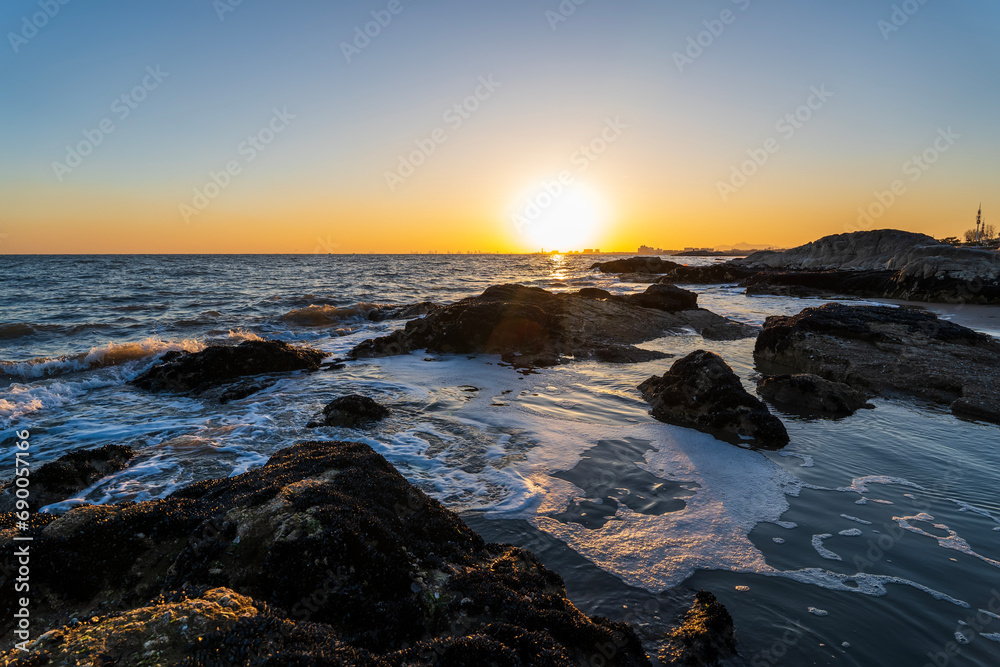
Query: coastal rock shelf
[[812, 394], [701, 391], [351, 411], [888, 351], [529, 326], [199, 373], [68, 475], [326, 555], [885, 263]]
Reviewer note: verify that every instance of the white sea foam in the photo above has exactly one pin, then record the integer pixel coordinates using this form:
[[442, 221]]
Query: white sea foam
[[817, 543], [736, 488], [850, 532], [860, 484], [992, 636], [111, 354], [966, 507], [818, 612], [856, 519], [951, 541], [807, 461]]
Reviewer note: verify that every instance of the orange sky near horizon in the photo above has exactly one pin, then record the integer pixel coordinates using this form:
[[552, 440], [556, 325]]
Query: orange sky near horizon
[[484, 127]]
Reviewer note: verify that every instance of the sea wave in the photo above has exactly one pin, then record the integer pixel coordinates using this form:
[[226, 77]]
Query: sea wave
[[111, 354], [319, 316], [14, 330]]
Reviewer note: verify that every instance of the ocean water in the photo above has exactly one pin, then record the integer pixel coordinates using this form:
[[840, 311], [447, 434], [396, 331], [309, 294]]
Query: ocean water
[[870, 540]]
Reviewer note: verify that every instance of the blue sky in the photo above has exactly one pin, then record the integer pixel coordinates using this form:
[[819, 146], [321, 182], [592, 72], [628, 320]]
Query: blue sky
[[227, 75]]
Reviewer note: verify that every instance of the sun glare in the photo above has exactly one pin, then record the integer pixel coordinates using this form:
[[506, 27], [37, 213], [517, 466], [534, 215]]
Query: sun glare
[[556, 217]]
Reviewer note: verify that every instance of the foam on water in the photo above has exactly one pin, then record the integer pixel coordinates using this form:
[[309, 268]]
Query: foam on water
[[735, 488], [111, 354], [951, 541], [856, 519], [807, 461], [817, 543], [325, 315]]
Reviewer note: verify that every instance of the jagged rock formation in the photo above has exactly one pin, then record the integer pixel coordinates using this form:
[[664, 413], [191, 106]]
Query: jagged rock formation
[[71, 473], [812, 394], [198, 372], [326, 555], [701, 391], [530, 326], [889, 351], [351, 411]]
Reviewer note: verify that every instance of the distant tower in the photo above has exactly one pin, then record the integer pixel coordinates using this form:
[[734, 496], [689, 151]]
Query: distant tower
[[979, 223]]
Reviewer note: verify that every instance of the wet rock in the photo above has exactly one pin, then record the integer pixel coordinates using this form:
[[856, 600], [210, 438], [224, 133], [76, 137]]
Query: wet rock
[[351, 411], [705, 637], [641, 265], [241, 390], [724, 272], [888, 351], [325, 554], [812, 394], [886, 263], [405, 312], [701, 391], [529, 326], [821, 284], [65, 477], [665, 297], [197, 372]]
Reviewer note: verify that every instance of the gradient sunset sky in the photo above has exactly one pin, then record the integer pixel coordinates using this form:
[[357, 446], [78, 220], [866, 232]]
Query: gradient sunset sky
[[332, 113]]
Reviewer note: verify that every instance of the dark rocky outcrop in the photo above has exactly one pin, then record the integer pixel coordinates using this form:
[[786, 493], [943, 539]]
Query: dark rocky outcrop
[[705, 637], [821, 284], [326, 555], [198, 372], [881, 264], [351, 411], [529, 326], [666, 297], [812, 394], [884, 263], [638, 265], [65, 477], [723, 272], [701, 391], [888, 350], [405, 312]]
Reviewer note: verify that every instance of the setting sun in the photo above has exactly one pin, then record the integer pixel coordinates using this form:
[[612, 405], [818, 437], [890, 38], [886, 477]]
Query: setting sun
[[560, 217]]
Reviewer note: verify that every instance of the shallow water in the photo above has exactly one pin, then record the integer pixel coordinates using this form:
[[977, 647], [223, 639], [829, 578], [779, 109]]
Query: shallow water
[[868, 540]]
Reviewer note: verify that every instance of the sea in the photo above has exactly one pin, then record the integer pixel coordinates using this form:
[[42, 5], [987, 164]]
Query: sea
[[868, 540]]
